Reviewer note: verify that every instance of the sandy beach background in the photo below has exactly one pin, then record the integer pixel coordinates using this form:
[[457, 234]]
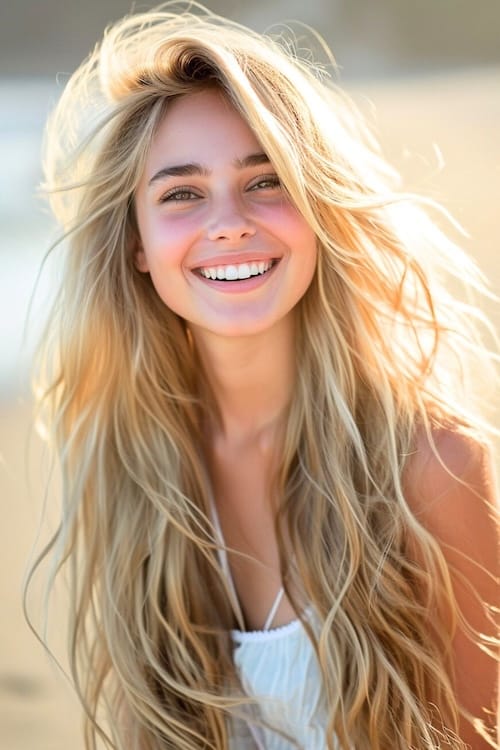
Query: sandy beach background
[[456, 115]]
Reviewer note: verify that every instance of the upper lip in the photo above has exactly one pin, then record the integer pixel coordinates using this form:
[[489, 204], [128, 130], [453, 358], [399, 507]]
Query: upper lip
[[233, 259]]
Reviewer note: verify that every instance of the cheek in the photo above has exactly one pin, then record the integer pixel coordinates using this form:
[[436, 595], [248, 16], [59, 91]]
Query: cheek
[[306, 249], [291, 225], [302, 241], [165, 243]]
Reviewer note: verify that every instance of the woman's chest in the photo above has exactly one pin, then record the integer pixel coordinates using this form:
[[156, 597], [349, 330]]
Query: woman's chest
[[246, 512]]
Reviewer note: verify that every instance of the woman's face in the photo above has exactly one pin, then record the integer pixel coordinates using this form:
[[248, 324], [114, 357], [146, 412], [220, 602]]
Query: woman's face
[[225, 248]]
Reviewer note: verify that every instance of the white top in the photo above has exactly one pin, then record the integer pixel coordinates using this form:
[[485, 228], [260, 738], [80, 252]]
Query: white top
[[279, 669]]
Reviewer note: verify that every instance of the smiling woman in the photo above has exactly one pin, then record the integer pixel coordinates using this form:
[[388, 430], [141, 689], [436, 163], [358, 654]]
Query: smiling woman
[[204, 224], [278, 502]]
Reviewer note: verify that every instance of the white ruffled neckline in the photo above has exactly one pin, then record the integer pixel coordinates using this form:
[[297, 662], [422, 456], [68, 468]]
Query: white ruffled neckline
[[241, 636]]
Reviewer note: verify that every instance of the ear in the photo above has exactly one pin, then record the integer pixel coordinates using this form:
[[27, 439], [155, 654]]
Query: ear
[[140, 260], [135, 249]]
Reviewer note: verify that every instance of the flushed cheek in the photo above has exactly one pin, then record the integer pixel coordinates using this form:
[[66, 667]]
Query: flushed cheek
[[286, 220], [168, 243]]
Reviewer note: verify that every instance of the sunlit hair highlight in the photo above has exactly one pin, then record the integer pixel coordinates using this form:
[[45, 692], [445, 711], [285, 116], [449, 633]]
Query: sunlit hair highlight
[[384, 352]]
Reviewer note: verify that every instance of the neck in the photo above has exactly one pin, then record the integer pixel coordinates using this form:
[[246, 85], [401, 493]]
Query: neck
[[251, 379]]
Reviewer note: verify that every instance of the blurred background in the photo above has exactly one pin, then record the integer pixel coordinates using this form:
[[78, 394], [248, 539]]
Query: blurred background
[[427, 77]]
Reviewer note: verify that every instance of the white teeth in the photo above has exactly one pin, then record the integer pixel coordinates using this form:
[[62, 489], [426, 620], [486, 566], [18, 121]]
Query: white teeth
[[231, 273], [244, 271], [234, 273]]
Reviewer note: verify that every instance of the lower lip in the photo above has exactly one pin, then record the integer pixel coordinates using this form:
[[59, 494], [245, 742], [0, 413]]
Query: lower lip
[[242, 285]]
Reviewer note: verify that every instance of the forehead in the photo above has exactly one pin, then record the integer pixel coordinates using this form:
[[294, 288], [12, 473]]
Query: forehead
[[201, 127]]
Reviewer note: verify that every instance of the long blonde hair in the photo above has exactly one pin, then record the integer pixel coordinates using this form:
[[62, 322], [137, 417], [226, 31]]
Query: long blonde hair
[[121, 389]]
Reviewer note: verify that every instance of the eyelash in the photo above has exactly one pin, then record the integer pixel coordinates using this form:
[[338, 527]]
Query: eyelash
[[173, 194], [273, 181]]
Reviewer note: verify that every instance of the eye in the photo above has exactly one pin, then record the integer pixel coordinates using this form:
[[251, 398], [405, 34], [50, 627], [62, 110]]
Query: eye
[[268, 182], [178, 195]]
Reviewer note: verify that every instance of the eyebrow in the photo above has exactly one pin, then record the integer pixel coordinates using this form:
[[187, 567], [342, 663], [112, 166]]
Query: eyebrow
[[193, 168]]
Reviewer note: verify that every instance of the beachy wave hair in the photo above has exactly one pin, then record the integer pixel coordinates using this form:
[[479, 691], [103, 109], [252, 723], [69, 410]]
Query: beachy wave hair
[[383, 351]]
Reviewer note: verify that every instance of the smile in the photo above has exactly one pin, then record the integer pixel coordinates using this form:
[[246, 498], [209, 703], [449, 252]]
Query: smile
[[236, 272]]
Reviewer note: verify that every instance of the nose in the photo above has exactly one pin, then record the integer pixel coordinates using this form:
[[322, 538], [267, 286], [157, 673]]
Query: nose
[[229, 221]]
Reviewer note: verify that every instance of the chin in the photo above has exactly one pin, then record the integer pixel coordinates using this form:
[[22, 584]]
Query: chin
[[237, 329]]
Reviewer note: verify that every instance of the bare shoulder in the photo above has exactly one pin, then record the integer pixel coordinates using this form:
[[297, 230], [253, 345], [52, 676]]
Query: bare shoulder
[[450, 486], [450, 483]]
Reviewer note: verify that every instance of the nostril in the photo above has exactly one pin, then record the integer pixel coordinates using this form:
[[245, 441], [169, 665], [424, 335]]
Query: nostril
[[231, 233], [229, 221]]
